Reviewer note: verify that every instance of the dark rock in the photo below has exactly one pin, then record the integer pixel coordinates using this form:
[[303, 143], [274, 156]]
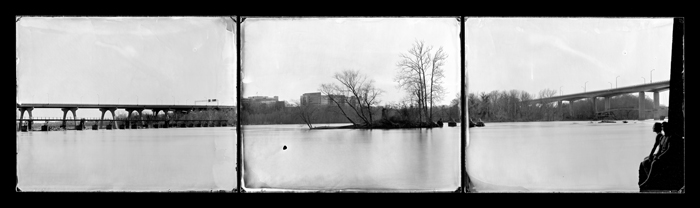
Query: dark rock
[[452, 123]]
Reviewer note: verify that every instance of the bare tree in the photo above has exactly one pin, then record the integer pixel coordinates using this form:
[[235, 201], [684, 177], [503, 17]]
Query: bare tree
[[546, 109], [421, 74], [332, 89], [306, 112], [362, 92]]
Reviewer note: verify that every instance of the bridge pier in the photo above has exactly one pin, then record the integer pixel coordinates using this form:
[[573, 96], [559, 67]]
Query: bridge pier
[[111, 110], [560, 109], [156, 111], [21, 116], [81, 126], [656, 106], [128, 117], [641, 105], [571, 108], [595, 106], [607, 103], [138, 110], [65, 111]]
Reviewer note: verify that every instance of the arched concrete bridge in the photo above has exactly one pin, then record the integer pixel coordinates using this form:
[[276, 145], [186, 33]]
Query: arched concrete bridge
[[65, 107], [654, 87]]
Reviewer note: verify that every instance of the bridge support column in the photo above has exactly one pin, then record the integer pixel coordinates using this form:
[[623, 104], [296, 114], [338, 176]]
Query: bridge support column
[[114, 118], [81, 126], [641, 105], [656, 106], [128, 117], [21, 116], [595, 106], [74, 116], [140, 111], [156, 111], [560, 105], [131, 111], [104, 110], [607, 103], [571, 108], [101, 118], [65, 112]]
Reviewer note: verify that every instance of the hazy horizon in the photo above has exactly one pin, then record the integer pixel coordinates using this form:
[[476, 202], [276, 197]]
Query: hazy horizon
[[533, 54], [289, 57], [124, 60], [177, 60]]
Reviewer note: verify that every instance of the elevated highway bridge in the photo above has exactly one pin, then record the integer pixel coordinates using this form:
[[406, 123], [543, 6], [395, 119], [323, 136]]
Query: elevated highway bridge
[[654, 87]]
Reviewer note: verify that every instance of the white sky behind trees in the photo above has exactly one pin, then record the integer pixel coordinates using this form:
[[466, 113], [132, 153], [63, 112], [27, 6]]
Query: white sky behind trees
[[155, 60], [178, 60], [290, 57], [532, 54]]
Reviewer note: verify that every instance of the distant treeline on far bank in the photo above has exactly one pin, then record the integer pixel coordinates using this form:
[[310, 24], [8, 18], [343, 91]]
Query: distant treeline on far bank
[[505, 106], [263, 114]]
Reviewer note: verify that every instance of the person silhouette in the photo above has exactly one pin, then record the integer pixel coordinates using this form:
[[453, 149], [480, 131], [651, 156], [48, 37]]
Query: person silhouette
[[645, 165]]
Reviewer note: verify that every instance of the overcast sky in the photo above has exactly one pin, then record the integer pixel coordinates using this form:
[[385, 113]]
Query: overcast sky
[[152, 60], [290, 57], [149, 60], [532, 54]]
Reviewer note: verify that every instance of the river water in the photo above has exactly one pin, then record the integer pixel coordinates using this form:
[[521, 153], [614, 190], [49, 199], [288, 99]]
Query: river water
[[173, 159], [569, 156], [347, 159], [563, 156]]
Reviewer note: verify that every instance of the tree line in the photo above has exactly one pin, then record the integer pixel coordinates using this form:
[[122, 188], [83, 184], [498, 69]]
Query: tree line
[[506, 106], [296, 114], [420, 74]]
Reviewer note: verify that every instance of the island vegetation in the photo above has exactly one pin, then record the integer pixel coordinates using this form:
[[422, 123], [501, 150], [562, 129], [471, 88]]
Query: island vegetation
[[420, 73]]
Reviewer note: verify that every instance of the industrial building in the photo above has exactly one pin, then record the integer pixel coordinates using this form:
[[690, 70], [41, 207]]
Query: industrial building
[[256, 101], [316, 98]]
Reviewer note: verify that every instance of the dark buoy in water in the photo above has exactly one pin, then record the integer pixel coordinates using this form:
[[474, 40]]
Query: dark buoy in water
[[285, 147]]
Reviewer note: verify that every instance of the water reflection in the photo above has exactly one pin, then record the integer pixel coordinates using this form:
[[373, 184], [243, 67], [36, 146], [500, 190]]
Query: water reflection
[[558, 156], [398, 159], [127, 160]]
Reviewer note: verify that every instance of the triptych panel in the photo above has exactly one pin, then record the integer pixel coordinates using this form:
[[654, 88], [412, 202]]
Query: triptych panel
[[348, 104]]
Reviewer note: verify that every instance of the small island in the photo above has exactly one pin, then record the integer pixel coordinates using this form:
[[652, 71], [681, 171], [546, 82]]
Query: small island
[[353, 98], [386, 124]]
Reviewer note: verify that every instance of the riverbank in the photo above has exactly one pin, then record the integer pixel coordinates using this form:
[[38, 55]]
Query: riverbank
[[391, 125]]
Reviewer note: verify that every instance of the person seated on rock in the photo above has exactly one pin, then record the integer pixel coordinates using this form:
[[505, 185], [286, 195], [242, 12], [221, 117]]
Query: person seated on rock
[[663, 144], [657, 128], [666, 171], [645, 165]]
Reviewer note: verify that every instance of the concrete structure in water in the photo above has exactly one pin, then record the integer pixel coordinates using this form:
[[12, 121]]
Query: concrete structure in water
[[655, 88], [73, 108]]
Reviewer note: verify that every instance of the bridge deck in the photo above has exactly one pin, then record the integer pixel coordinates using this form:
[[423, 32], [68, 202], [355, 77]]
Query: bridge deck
[[136, 120], [121, 106], [651, 87]]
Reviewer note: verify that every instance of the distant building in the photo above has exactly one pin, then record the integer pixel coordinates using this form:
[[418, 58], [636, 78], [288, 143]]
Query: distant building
[[316, 98], [340, 99], [256, 101]]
